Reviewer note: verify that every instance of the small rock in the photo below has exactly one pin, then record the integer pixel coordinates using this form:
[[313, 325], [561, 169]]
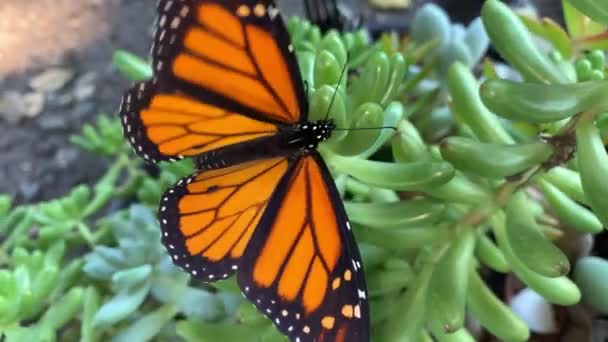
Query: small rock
[[66, 156], [11, 104], [85, 87], [26, 166], [29, 190], [15, 105], [533, 309], [63, 100], [391, 4], [51, 80], [82, 110], [34, 104], [51, 122]]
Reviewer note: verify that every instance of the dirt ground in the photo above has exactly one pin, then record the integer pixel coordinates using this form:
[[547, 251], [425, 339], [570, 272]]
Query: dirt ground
[[56, 74], [36, 159]]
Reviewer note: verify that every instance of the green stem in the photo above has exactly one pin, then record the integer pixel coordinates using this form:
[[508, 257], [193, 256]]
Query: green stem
[[21, 229], [101, 233], [85, 233], [104, 189], [481, 214], [411, 83], [357, 188], [130, 186]]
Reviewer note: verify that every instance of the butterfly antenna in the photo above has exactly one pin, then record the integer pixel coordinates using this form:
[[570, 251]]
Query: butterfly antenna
[[367, 128], [333, 98]]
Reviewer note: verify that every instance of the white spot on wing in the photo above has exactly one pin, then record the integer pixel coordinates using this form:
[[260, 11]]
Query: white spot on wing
[[273, 12], [175, 22], [361, 294], [184, 11]]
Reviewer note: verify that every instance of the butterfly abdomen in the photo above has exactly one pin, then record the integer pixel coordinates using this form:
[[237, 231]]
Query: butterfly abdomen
[[290, 141]]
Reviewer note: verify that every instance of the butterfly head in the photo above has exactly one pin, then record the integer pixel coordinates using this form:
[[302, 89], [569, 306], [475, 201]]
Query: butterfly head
[[314, 133]]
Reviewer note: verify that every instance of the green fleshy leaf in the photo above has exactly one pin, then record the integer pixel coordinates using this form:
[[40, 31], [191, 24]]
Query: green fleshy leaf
[[121, 306], [197, 331], [551, 31], [200, 305], [147, 326], [98, 267], [430, 23], [578, 24], [130, 278], [132, 66], [591, 275]]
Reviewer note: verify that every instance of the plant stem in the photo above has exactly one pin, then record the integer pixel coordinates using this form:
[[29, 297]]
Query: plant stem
[[104, 189], [21, 229], [134, 179], [480, 215], [86, 234]]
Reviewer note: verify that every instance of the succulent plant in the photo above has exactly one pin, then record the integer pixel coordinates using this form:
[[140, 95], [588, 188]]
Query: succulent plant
[[139, 269]]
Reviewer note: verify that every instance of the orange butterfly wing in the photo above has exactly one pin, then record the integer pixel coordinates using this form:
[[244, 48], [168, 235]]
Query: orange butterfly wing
[[302, 266], [238, 52], [207, 219], [164, 125], [223, 74]]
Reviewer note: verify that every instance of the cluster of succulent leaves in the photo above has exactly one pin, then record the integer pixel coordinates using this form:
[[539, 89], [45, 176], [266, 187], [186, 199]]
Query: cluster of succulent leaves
[[474, 179]]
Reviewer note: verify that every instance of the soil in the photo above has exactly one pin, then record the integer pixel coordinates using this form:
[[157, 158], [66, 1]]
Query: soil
[[37, 160], [37, 117]]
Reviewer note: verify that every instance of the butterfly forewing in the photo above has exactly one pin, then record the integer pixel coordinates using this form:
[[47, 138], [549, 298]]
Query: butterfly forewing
[[302, 267], [224, 73], [233, 53], [164, 125]]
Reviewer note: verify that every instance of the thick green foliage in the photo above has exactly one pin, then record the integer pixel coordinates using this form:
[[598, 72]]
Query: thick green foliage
[[433, 205]]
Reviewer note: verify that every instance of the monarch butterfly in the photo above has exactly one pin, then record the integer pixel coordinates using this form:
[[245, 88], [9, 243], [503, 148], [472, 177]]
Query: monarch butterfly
[[227, 92]]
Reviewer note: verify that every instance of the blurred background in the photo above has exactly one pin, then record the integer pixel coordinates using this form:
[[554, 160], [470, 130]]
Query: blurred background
[[56, 74]]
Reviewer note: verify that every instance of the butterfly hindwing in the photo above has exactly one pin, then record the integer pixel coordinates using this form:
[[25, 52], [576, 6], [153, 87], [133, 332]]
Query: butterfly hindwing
[[207, 219], [302, 267], [234, 54]]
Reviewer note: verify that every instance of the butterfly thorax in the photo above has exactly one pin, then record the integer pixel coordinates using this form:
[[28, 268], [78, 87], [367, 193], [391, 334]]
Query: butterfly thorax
[[308, 135], [290, 141]]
